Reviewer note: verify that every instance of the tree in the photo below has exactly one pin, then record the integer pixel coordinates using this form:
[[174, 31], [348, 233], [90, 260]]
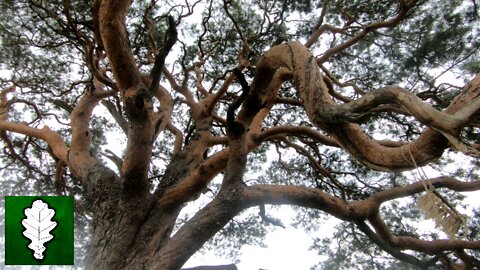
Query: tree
[[201, 104]]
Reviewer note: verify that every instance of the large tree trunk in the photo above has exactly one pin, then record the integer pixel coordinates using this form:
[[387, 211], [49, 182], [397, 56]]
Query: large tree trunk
[[132, 227]]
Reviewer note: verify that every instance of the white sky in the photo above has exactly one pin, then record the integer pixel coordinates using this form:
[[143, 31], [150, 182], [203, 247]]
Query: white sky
[[286, 249]]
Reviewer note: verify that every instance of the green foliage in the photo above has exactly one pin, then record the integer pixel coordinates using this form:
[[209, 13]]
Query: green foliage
[[43, 56], [245, 230]]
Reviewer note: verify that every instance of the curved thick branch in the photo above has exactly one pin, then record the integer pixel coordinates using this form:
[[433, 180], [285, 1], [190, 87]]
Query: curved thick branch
[[224, 207], [417, 187], [53, 139], [450, 123], [359, 211], [393, 244], [411, 243], [433, 247], [377, 199], [295, 131], [334, 118], [79, 156], [308, 197]]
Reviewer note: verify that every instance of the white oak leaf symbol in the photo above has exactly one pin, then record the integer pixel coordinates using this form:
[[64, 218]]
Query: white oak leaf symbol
[[38, 225]]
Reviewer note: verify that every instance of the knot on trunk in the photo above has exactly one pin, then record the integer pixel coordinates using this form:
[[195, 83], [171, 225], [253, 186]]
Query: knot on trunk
[[138, 104]]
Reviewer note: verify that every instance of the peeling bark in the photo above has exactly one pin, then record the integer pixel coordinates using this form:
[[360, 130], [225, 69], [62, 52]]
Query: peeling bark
[[132, 228], [334, 119]]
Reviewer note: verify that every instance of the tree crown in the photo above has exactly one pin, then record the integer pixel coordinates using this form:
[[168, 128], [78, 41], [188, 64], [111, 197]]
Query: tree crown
[[329, 106]]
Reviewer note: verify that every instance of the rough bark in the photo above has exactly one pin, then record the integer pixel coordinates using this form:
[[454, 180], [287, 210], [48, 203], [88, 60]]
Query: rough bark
[[132, 228], [336, 119]]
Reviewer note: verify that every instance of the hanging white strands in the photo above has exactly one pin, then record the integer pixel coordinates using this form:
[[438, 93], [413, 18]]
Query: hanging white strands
[[436, 207]]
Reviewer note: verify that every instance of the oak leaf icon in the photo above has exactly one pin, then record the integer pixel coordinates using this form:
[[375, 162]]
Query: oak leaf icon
[[38, 225]]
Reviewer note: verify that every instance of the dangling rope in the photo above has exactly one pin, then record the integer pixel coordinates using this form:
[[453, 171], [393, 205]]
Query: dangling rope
[[436, 207]]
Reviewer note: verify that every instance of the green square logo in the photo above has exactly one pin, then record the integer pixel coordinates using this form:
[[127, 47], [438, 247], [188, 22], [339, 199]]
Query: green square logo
[[39, 230]]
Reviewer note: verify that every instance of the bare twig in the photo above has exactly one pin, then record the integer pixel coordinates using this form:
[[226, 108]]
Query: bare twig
[[267, 219], [404, 8]]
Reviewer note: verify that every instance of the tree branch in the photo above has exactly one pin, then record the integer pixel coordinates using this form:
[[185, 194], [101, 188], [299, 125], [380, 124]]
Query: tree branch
[[411, 243], [114, 158], [113, 33], [122, 123], [136, 97], [210, 219], [296, 131], [53, 139], [391, 250], [315, 164], [79, 155], [404, 8], [234, 128], [417, 187], [331, 117], [307, 197], [267, 219], [239, 31], [168, 42]]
